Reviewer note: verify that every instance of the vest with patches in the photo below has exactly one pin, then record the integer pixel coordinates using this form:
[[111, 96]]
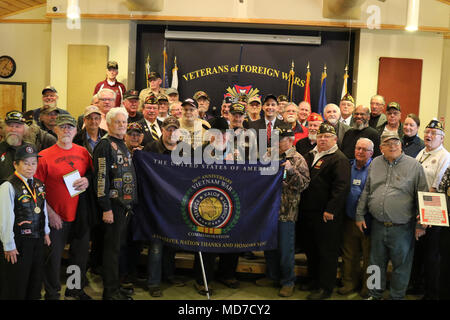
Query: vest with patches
[[24, 207], [122, 174]]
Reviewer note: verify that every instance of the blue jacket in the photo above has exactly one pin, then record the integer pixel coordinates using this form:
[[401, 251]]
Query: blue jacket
[[357, 181]]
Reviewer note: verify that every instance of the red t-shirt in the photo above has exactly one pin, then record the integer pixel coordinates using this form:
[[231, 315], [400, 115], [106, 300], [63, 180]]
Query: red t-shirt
[[54, 163], [118, 88]]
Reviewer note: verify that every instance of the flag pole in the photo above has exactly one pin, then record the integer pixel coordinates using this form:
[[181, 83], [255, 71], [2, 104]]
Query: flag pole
[[204, 274]]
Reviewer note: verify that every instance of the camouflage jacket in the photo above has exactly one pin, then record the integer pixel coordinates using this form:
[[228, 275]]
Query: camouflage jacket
[[296, 180]]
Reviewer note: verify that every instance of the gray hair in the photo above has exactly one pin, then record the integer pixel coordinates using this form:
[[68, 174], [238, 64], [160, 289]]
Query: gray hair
[[291, 104], [332, 105], [114, 112], [378, 96], [99, 94], [95, 96], [370, 142]]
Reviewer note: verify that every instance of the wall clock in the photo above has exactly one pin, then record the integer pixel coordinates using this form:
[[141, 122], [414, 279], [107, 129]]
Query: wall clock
[[7, 66]]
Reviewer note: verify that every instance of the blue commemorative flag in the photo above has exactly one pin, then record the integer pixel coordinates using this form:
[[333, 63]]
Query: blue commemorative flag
[[206, 207]]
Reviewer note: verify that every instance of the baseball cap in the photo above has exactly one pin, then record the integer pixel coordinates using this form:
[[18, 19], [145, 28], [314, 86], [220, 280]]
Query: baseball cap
[[388, 136], [191, 102], [154, 75], [171, 91], [66, 119], [49, 88], [200, 94], [282, 98], [91, 109], [134, 126], [237, 108], [270, 96], [131, 94], [171, 122], [112, 65], [255, 98], [435, 124], [49, 109], [26, 151], [162, 96], [394, 105], [14, 116]]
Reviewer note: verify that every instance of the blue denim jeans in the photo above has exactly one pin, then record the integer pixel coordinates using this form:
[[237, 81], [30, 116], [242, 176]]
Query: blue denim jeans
[[280, 263], [395, 243], [161, 261]]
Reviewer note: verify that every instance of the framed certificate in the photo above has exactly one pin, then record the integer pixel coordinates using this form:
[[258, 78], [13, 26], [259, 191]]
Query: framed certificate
[[69, 179], [433, 209]]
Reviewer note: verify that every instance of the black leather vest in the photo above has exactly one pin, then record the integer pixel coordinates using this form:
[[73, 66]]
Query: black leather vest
[[122, 174], [24, 209]]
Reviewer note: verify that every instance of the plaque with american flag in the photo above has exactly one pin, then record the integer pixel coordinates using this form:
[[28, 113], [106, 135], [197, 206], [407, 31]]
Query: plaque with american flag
[[433, 209]]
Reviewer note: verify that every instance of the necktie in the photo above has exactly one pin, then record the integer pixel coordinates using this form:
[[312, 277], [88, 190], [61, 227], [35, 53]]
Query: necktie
[[30, 183], [269, 131], [154, 133]]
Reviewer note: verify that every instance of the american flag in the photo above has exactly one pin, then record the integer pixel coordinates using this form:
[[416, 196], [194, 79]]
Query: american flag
[[434, 201]]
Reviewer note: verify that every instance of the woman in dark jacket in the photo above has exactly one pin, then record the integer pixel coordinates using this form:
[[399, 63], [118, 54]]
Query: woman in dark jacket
[[411, 143]]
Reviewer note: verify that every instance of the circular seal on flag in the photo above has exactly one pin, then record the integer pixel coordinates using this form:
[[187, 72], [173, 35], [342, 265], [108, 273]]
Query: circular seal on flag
[[210, 207]]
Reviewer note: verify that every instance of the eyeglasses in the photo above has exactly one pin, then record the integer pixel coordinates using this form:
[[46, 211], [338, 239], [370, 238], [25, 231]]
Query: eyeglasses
[[391, 143], [363, 149], [432, 133], [107, 99], [376, 104], [325, 136]]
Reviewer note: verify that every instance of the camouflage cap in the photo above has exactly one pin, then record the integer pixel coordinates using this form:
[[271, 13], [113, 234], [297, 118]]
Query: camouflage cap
[[66, 119], [170, 91], [91, 109], [388, 136], [154, 75], [49, 109], [201, 94]]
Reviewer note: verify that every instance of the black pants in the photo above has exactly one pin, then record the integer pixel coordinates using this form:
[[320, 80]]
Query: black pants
[[115, 237], [227, 266], [96, 254], [444, 277], [321, 248], [79, 252], [24, 279], [425, 270]]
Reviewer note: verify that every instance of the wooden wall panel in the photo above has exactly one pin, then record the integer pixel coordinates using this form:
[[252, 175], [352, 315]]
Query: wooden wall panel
[[400, 80]]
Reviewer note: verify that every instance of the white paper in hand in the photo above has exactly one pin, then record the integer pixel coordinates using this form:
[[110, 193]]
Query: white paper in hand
[[69, 179]]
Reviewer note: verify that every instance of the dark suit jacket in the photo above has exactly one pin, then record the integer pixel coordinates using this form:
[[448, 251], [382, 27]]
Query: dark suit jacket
[[261, 125], [329, 185], [147, 132]]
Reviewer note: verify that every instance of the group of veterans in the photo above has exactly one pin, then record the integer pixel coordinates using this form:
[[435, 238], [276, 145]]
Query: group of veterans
[[349, 189]]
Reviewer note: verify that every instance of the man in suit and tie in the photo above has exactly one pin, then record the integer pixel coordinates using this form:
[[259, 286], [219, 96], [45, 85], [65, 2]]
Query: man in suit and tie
[[151, 125], [331, 114], [270, 120]]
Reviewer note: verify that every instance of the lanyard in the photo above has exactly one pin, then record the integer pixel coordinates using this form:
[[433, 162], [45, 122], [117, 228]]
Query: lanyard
[[33, 193]]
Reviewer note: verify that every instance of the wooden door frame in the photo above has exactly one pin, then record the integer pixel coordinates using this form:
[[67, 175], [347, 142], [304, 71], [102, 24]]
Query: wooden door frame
[[24, 92]]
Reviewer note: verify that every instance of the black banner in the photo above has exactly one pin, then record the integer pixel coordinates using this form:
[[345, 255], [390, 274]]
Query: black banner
[[215, 66]]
